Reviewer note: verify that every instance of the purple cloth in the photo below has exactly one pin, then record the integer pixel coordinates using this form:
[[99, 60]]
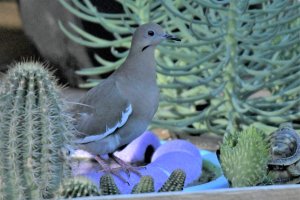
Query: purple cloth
[[135, 151], [176, 154]]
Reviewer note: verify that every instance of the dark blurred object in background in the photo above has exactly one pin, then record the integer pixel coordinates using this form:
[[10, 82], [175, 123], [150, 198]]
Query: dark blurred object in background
[[29, 29], [40, 24], [14, 45]]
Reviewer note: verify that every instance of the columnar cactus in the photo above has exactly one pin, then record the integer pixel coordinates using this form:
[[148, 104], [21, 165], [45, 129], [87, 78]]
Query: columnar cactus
[[78, 187], [244, 157], [175, 182], [33, 131], [145, 185]]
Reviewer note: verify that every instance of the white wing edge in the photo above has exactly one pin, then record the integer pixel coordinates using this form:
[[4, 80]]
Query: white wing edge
[[92, 138]]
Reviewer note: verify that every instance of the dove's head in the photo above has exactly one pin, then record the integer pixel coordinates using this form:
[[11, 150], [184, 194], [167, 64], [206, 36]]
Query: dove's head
[[149, 35]]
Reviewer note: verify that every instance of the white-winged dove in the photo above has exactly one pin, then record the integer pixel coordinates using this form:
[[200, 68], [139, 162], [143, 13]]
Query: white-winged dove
[[120, 108]]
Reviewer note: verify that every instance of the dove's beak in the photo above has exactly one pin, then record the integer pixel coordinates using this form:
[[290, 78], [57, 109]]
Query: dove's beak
[[171, 37]]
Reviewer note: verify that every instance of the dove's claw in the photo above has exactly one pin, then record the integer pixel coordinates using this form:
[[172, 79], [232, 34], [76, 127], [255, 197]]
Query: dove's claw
[[126, 166]]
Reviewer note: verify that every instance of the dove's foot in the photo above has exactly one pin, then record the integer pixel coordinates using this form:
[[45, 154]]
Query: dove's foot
[[107, 168], [126, 166]]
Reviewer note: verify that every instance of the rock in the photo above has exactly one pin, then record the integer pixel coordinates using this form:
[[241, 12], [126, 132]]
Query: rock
[[40, 23]]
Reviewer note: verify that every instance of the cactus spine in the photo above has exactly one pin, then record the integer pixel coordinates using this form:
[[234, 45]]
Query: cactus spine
[[33, 130], [175, 181], [145, 185], [78, 187], [244, 157]]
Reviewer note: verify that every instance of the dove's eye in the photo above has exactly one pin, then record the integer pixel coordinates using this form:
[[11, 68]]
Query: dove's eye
[[150, 33]]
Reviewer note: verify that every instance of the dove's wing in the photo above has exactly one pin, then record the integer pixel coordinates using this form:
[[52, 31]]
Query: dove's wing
[[101, 111]]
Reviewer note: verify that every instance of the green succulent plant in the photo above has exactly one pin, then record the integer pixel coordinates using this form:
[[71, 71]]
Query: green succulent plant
[[175, 181], [210, 172], [145, 185], [244, 157], [231, 51], [78, 187], [33, 132], [108, 185]]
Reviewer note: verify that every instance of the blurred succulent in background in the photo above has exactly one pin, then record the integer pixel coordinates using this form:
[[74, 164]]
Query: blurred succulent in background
[[231, 50]]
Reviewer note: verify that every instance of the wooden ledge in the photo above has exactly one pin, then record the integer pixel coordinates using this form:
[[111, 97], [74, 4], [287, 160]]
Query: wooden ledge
[[276, 192], [9, 15]]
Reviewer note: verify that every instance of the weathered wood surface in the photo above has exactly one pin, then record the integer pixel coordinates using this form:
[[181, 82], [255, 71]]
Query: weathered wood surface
[[287, 192], [9, 15]]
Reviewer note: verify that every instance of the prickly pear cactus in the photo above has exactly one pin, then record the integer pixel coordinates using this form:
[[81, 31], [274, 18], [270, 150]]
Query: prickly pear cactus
[[33, 130], [244, 157], [108, 185], [78, 187], [145, 185], [175, 181]]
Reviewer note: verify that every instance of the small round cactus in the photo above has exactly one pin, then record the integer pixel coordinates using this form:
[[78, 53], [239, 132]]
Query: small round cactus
[[175, 181], [78, 187], [244, 157], [108, 185], [145, 185]]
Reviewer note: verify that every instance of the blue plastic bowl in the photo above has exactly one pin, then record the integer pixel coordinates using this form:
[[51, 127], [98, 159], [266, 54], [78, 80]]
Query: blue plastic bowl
[[220, 182]]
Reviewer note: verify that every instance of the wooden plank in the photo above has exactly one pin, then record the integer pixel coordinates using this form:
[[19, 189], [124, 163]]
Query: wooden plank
[[280, 192], [9, 15]]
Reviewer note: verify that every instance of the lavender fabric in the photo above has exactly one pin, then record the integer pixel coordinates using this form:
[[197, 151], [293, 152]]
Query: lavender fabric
[[135, 151], [176, 146], [166, 158]]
